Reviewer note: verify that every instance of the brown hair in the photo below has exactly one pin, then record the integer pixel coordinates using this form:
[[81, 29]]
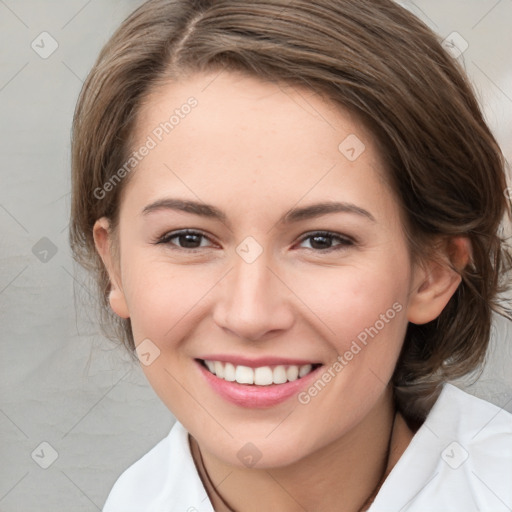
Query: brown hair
[[370, 56]]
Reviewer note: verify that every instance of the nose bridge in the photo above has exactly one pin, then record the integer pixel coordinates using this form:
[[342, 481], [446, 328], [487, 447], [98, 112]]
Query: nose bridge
[[251, 283], [254, 302]]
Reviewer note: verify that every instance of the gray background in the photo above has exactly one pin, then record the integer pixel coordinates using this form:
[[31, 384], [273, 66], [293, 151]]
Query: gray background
[[61, 382]]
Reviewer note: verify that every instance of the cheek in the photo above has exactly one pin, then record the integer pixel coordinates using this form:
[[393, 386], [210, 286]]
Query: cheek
[[353, 300], [365, 310], [162, 298]]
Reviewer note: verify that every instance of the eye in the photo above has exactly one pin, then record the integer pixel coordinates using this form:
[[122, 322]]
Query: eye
[[184, 239], [326, 241], [320, 241]]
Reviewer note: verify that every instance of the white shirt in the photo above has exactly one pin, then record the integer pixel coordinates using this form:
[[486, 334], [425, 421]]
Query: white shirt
[[460, 460]]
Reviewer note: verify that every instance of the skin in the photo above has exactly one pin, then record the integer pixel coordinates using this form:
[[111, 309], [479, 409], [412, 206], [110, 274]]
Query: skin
[[255, 150]]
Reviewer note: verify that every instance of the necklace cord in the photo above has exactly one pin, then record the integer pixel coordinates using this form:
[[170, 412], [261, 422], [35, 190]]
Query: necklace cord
[[373, 495]]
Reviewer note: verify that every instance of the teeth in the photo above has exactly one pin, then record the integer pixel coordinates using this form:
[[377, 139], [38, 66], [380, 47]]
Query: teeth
[[292, 373], [243, 374], [280, 375], [219, 369], [261, 376], [304, 370], [229, 372]]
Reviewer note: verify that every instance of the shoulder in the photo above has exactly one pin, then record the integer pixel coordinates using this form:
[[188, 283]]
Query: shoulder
[[460, 459], [165, 478], [471, 414], [481, 431]]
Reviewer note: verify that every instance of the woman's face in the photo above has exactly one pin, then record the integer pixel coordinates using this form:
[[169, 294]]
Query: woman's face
[[295, 256]]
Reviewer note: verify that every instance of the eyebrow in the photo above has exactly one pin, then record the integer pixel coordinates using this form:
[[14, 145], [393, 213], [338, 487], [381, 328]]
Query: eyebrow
[[291, 216]]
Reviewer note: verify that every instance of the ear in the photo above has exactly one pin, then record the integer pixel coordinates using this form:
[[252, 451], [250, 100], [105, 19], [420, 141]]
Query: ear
[[103, 242], [435, 282]]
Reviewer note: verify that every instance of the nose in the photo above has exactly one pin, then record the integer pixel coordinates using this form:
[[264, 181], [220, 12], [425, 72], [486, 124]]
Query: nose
[[253, 302]]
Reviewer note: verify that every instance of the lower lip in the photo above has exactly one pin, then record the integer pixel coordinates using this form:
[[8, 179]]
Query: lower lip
[[252, 396]]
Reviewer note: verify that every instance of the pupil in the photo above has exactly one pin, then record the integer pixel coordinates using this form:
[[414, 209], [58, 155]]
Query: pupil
[[189, 241], [322, 241]]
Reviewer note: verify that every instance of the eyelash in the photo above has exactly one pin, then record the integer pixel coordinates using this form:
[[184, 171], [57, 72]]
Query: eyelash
[[344, 240]]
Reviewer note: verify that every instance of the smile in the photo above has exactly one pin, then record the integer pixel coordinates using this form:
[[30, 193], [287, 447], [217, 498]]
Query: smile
[[257, 384], [259, 376]]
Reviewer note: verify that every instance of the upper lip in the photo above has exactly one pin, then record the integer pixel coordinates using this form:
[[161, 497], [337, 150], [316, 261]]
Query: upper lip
[[257, 362]]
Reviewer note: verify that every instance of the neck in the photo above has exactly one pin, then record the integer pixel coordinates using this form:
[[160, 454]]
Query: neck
[[343, 475]]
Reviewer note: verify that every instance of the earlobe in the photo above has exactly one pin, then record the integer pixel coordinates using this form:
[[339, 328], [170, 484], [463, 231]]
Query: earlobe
[[103, 243], [435, 282]]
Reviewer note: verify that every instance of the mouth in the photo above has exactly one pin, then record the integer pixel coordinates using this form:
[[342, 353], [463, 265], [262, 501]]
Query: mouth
[[260, 375], [260, 385]]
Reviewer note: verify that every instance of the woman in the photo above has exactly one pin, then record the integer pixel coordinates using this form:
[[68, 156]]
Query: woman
[[293, 213]]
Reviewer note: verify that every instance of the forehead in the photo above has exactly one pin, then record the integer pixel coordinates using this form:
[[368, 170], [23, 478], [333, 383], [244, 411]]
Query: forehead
[[212, 134], [229, 102]]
